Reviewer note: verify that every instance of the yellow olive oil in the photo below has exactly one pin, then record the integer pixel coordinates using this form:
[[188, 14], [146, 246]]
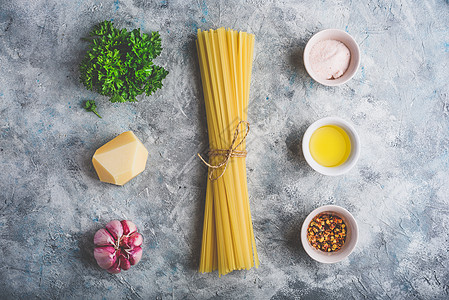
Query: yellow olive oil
[[330, 146]]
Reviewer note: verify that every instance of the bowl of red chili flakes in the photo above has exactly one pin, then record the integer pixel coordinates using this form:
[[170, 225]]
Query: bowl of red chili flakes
[[329, 234]]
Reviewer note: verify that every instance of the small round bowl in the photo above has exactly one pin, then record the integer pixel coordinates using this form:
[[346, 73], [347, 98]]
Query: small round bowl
[[352, 235], [345, 38], [353, 137]]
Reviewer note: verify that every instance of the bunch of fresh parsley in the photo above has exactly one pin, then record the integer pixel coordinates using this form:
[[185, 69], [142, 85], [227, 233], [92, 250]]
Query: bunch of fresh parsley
[[119, 63]]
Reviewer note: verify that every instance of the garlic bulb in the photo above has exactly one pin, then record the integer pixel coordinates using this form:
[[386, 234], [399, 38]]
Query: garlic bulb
[[118, 246]]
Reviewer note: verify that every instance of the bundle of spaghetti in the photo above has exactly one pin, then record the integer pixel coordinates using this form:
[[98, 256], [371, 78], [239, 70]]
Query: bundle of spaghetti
[[225, 58]]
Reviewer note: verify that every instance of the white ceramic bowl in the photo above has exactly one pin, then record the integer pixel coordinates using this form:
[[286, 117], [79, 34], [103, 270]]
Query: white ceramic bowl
[[353, 137], [345, 38], [352, 235]]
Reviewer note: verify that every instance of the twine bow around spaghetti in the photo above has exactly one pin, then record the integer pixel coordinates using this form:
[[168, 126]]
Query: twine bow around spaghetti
[[226, 153]]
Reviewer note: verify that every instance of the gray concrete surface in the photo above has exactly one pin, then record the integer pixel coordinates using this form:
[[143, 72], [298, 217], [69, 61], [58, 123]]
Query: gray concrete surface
[[51, 202]]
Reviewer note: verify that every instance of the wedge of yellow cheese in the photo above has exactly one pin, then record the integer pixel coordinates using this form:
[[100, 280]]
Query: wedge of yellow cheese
[[121, 159]]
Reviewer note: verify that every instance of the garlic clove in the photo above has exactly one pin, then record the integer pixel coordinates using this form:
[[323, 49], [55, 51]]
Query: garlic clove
[[128, 227], [103, 238], [124, 262], [135, 240], [135, 255], [115, 267], [105, 256], [115, 228]]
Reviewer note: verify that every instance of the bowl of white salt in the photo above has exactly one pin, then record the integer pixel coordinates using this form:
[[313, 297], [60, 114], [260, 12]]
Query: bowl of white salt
[[331, 57]]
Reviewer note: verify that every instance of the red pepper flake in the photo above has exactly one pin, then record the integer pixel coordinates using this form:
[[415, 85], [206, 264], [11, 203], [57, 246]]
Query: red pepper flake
[[327, 232]]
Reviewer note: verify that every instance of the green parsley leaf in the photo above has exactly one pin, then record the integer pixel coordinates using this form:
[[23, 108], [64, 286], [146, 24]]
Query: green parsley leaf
[[119, 63], [91, 106]]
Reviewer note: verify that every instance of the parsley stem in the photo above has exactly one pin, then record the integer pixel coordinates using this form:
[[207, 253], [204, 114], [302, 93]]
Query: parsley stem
[[95, 112]]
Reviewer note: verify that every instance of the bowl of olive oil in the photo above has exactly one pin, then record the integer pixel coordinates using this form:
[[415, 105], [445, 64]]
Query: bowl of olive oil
[[331, 146]]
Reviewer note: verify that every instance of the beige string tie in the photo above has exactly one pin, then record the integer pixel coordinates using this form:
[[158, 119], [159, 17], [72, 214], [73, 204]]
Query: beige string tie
[[226, 153]]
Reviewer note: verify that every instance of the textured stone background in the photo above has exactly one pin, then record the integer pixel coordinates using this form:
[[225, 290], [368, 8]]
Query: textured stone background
[[51, 202]]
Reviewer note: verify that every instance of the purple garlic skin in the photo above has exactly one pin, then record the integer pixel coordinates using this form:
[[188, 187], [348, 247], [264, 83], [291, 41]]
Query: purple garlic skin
[[103, 238], [135, 255], [128, 227], [105, 256], [118, 246], [115, 228]]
